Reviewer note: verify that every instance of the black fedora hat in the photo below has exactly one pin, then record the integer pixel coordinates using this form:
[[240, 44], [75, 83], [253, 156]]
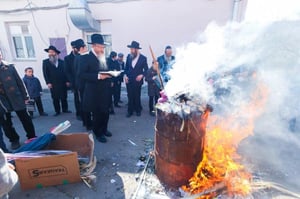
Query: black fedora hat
[[97, 39], [134, 44], [78, 44], [52, 48]]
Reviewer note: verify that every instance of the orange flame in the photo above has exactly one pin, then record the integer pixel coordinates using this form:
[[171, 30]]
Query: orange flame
[[219, 164]]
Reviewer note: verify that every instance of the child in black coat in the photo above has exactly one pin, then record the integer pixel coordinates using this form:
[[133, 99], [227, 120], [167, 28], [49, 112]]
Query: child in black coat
[[153, 89], [34, 90]]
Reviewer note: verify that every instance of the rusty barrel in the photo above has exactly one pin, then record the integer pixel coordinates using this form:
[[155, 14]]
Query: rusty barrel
[[179, 145]]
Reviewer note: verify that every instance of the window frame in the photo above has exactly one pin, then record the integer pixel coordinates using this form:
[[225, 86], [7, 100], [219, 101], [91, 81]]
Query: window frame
[[24, 41]]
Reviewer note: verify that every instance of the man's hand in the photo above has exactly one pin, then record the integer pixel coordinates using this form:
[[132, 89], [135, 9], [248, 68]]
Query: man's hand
[[126, 79], [139, 78], [103, 76], [49, 86]]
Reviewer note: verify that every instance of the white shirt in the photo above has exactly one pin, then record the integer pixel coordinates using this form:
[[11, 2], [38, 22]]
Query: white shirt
[[134, 61]]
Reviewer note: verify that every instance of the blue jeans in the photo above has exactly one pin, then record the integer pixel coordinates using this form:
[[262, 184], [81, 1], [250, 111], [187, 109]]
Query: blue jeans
[[2, 144]]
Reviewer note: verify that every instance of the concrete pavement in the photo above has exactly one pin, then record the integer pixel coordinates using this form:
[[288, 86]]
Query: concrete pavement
[[116, 167]]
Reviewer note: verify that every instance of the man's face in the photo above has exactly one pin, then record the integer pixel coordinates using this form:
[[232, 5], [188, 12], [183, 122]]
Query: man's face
[[134, 52], [120, 58], [99, 49], [75, 50], [168, 52], [52, 53]]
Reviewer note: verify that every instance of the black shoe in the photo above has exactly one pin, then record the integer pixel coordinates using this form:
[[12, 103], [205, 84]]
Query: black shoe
[[108, 134], [56, 114], [102, 139], [43, 114], [15, 145], [117, 106], [128, 114], [151, 113], [78, 117], [138, 114], [67, 111]]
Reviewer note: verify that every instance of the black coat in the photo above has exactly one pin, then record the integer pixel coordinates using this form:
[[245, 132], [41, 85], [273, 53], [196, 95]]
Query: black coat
[[33, 86], [140, 68], [153, 89], [57, 77], [122, 67], [70, 69], [97, 93], [12, 90], [114, 66]]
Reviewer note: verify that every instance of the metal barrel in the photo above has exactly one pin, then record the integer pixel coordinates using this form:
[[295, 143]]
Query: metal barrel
[[179, 145]]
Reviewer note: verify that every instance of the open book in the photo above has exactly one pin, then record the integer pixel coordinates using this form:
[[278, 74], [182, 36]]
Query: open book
[[112, 73]]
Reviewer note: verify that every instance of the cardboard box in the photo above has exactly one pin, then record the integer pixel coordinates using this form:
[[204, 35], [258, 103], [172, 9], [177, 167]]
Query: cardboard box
[[56, 169]]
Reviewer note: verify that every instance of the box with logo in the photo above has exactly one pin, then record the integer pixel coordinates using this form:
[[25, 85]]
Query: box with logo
[[56, 169]]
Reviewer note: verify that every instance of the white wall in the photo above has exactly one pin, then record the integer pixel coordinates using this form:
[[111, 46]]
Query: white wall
[[50, 24], [160, 22], [155, 22]]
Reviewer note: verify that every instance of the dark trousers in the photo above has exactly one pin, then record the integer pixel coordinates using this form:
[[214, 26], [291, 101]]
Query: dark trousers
[[10, 131], [100, 122], [117, 92], [56, 104], [39, 105], [152, 101], [77, 102], [86, 116], [134, 97]]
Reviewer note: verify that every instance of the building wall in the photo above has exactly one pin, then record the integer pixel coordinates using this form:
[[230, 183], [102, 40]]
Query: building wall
[[151, 22]]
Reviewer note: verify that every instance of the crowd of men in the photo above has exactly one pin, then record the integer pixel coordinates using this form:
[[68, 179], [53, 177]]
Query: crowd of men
[[88, 74]]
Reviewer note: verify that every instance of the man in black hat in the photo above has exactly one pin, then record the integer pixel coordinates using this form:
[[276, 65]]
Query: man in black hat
[[97, 92], [113, 65], [56, 80], [135, 70], [80, 84], [70, 71]]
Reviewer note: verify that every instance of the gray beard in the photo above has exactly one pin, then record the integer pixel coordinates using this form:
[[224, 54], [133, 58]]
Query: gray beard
[[53, 59]]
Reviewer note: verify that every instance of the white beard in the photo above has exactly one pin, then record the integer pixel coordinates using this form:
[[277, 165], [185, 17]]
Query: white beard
[[102, 60]]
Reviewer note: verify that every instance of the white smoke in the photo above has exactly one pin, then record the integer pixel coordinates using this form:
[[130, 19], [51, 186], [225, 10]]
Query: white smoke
[[265, 45]]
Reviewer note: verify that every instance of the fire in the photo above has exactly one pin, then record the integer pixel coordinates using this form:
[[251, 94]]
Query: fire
[[219, 171]]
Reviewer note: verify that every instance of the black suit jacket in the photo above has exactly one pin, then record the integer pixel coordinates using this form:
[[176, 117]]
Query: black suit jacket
[[55, 76], [140, 68], [69, 68], [97, 93]]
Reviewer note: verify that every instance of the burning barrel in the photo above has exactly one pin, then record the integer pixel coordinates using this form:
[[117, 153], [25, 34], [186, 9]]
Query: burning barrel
[[179, 144]]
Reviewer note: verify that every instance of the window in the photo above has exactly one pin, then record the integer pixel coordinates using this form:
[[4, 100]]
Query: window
[[107, 40], [22, 41]]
